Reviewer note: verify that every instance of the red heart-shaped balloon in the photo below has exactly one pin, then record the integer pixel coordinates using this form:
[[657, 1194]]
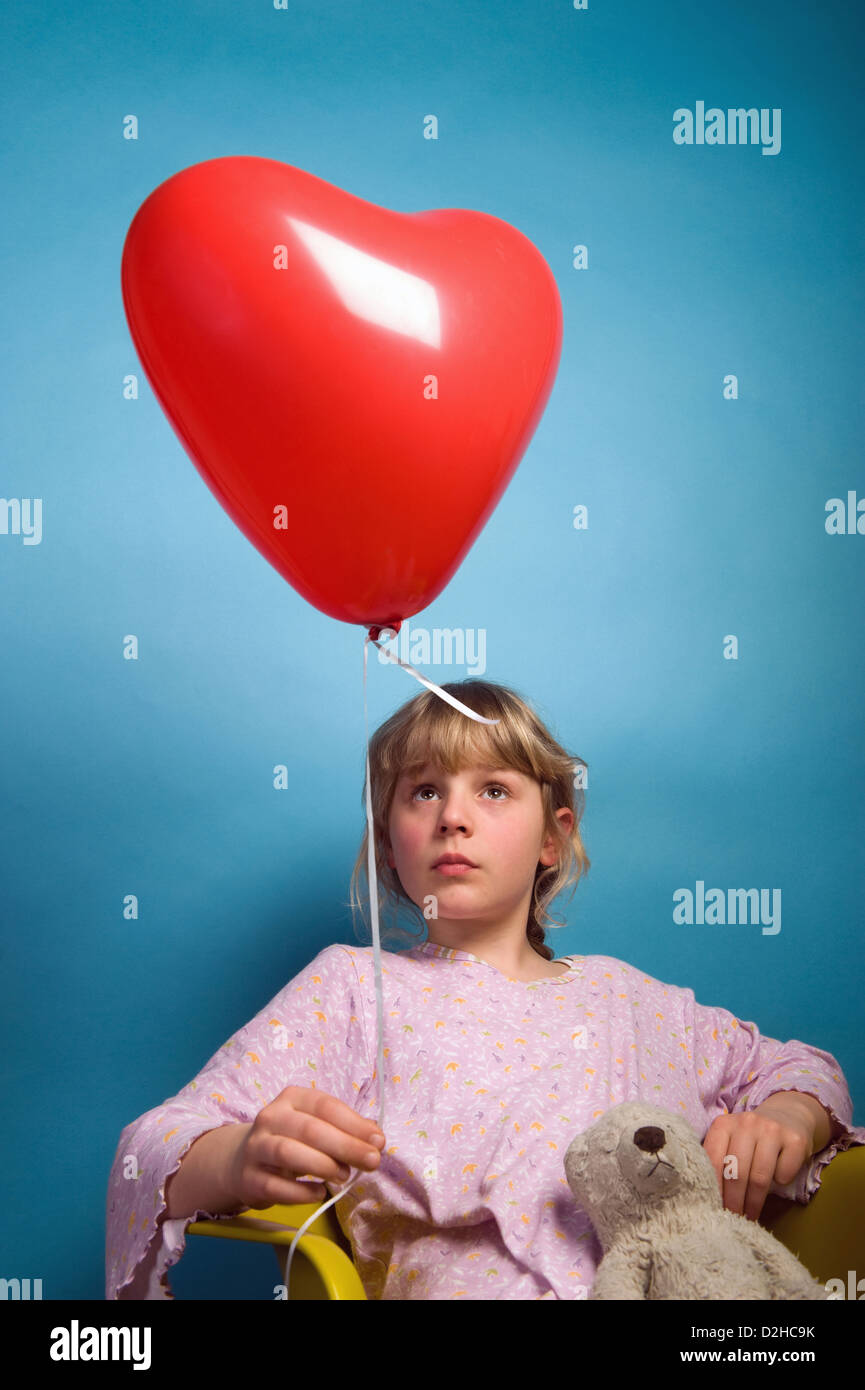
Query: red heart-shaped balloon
[[356, 386]]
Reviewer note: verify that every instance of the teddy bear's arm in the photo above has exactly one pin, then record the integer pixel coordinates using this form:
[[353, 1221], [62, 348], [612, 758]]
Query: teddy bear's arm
[[623, 1273], [791, 1280]]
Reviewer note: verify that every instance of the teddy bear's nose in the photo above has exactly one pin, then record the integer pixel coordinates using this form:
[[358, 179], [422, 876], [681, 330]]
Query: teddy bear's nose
[[650, 1138]]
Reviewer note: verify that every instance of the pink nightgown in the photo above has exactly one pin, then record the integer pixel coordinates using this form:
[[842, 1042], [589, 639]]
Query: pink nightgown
[[487, 1081]]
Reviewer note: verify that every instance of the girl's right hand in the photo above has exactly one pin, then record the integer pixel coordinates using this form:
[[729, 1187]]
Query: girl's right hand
[[302, 1131]]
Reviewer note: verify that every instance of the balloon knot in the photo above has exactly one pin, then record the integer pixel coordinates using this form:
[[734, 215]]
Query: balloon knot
[[374, 632]]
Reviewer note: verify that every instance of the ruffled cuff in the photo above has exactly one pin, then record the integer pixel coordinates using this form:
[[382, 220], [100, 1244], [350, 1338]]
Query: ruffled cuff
[[141, 1242]]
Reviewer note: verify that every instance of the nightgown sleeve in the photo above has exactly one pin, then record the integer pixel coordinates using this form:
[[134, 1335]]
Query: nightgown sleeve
[[737, 1069], [310, 1034]]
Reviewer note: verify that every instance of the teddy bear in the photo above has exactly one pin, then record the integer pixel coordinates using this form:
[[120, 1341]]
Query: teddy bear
[[649, 1189]]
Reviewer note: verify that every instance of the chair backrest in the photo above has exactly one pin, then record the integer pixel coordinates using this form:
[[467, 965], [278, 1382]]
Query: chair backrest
[[321, 1266]]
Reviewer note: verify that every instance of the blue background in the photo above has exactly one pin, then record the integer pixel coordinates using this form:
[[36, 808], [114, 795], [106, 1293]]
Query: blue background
[[155, 776]]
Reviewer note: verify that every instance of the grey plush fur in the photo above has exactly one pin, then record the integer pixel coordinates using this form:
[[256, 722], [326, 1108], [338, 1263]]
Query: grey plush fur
[[649, 1189]]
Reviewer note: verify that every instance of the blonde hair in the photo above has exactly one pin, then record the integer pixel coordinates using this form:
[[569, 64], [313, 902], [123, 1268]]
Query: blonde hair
[[428, 730]]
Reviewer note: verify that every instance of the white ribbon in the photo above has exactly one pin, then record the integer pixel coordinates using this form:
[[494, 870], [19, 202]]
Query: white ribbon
[[373, 898]]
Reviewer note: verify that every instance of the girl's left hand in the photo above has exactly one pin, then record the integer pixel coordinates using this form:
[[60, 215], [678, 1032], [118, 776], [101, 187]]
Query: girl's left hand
[[768, 1147]]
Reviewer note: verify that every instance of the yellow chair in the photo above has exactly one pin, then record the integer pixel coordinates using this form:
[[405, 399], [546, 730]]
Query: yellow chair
[[321, 1268], [827, 1234]]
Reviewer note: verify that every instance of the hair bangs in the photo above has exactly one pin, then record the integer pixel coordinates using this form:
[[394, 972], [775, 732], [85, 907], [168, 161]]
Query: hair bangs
[[444, 737]]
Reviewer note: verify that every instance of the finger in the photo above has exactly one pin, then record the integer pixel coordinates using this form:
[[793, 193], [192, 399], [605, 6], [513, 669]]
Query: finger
[[762, 1170], [279, 1190], [320, 1130], [339, 1116], [290, 1158], [717, 1144], [794, 1151], [736, 1168], [331, 1109]]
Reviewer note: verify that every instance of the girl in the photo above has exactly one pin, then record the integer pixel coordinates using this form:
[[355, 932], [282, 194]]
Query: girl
[[496, 1053]]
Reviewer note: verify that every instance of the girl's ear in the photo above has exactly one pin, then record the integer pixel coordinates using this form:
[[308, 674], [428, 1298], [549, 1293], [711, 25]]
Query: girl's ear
[[552, 848]]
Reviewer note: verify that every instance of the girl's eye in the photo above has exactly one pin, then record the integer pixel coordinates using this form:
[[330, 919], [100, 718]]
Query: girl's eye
[[494, 786]]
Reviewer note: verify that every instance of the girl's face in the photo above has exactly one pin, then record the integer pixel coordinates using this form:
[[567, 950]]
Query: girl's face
[[493, 816]]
